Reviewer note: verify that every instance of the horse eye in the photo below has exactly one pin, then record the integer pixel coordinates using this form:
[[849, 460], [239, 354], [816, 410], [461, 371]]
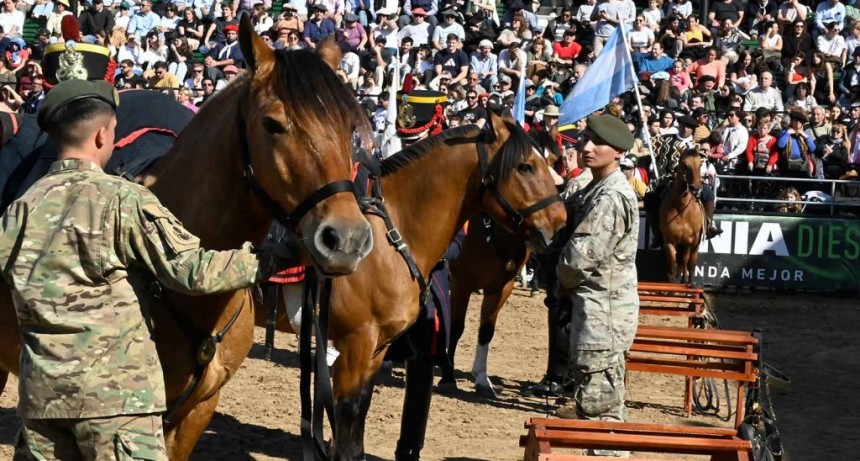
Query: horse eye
[[525, 168], [273, 126]]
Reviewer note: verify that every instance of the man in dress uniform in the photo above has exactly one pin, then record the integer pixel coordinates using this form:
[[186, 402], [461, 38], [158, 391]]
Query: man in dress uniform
[[597, 272], [80, 250]]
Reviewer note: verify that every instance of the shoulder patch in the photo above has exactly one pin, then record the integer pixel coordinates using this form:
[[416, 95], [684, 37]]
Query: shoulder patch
[[171, 231]]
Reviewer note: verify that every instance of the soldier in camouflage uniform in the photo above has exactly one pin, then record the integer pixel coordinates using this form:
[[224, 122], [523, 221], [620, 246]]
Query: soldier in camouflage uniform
[[80, 250], [597, 271]]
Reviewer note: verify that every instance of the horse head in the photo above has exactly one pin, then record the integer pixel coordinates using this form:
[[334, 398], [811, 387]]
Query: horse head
[[523, 197], [688, 173], [301, 125]]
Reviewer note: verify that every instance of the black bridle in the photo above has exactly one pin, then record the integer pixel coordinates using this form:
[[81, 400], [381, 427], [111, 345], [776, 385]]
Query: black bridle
[[488, 181], [290, 220]]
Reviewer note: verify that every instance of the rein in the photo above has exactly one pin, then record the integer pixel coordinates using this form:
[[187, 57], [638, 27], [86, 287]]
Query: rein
[[206, 350]]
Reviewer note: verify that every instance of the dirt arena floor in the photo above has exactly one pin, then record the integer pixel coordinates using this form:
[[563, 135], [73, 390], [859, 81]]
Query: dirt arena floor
[[809, 337]]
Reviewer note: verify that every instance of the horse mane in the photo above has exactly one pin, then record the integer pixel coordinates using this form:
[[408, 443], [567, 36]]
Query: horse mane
[[417, 150], [516, 148]]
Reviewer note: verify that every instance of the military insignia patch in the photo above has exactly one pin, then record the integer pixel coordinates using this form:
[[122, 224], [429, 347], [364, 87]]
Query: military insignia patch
[[71, 64]]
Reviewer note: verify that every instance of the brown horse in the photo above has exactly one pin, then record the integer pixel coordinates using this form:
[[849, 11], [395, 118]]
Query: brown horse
[[682, 218], [489, 260], [294, 122], [430, 190]]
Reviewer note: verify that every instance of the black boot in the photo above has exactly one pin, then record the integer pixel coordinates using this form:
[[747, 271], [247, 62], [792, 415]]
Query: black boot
[[558, 356], [713, 230], [416, 409]]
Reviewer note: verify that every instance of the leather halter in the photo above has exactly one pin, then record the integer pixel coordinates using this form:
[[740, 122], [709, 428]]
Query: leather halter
[[290, 220], [488, 181]]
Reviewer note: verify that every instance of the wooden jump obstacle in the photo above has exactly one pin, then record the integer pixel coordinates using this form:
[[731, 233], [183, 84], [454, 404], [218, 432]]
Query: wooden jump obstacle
[[672, 299], [546, 434], [697, 353]]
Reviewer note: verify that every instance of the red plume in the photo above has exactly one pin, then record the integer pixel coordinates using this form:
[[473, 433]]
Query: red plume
[[408, 84], [70, 28]]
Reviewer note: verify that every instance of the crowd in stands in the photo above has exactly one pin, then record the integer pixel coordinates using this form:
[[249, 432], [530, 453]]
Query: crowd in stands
[[764, 87]]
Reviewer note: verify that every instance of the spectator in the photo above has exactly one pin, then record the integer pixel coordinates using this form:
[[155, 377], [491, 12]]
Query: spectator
[[131, 51], [680, 9], [702, 131], [423, 68], [821, 78], [385, 26], [761, 153], [742, 75], [832, 45], [418, 31], [653, 15], [96, 19], [819, 126], [802, 99], [170, 20], [735, 139], [290, 19], [354, 34], [195, 81], [771, 41], [426, 8], [512, 61], [7, 77], [42, 10], [224, 54], [12, 19], [696, 39], [190, 28], [655, 61], [484, 65], [216, 32], [567, 50], [53, 23], [17, 55], [537, 57], [795, 149], [560, 24], [849, 84], [184, 96], [127, 78], [121, 20], [230, 74], [729, 40], [709, 65], [34, 98], [208, 90], [585, 15], [827, 12], [609, 15], [162, 78], [759, 13], [678, 76], [179, 57], [452, 59], [518, 8], [667, 123], [449, 26], [789, 12], [473, 113], [797, 41], [832, 152], [518, 30], [764, 95], [154, 50], [725, 9], [144, 20]]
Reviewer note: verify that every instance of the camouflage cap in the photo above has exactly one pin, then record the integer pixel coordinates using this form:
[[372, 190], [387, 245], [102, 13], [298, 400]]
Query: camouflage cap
[[612, 130], [75, 90]]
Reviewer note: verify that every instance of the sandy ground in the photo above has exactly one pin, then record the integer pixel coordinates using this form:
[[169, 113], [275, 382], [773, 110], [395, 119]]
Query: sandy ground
[[809, 337]]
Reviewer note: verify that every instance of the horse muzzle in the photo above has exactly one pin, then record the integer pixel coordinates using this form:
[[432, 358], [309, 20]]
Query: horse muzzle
[[337, 247]]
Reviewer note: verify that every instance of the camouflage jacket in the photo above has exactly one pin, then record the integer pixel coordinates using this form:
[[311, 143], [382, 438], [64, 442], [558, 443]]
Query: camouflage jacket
[[598, 265], [80, 250]]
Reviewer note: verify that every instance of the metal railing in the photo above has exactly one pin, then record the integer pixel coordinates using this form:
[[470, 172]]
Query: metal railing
[[833, 183]]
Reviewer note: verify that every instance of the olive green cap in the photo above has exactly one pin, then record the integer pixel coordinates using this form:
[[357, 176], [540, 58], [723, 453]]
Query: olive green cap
[[75, 90], [612, 130]]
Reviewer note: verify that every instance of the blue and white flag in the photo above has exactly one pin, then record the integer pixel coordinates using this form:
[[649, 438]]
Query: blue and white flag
[[610, 75], [519, 109]]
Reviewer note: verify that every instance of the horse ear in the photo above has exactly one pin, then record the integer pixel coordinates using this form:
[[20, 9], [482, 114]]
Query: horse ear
[[496, 129], [258, 56], [329, 50]]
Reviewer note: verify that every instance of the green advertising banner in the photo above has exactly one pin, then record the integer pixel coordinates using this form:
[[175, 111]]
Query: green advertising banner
[[783, 252]]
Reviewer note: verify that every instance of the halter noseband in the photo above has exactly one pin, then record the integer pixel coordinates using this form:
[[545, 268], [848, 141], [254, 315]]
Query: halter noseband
[[488, 181]]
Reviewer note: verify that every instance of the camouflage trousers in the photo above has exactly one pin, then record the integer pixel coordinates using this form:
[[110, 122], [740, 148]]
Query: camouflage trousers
[[598, 379], [115, 438]]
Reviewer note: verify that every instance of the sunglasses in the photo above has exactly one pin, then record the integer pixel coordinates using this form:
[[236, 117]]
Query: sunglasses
[[471, 97]]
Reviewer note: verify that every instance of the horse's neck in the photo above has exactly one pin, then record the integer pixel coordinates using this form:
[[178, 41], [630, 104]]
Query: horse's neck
[[200, 179], [430, 200]]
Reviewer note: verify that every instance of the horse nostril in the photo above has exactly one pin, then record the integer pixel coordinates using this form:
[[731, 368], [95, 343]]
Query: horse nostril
[[330, 239]]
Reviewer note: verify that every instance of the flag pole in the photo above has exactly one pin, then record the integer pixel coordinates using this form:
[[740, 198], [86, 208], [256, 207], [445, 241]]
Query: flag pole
[[645, 133]]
